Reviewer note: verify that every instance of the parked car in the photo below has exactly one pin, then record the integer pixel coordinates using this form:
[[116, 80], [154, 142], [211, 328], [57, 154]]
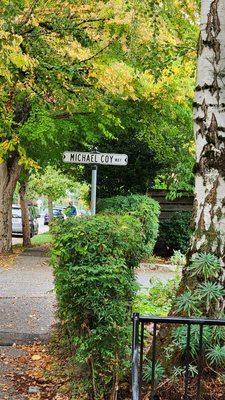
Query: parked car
[[17, 228], [57, 213]]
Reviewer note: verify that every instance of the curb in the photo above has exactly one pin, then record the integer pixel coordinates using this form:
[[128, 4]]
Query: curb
[[10, 338]]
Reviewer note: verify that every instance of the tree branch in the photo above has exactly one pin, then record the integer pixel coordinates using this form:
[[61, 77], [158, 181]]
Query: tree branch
[[70, 115], [92, 20], [99, 52], [30, 11]]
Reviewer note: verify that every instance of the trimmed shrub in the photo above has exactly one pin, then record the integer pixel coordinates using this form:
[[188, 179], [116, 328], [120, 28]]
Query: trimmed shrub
[[93, 261], [174, 233], [141, 207]]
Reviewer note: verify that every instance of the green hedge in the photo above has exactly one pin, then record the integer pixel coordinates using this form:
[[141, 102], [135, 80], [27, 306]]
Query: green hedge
[[175, 233], [93, 261], [141, 207]]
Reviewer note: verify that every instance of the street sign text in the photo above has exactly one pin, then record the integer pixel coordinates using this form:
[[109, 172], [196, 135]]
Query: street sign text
[[95, 158]]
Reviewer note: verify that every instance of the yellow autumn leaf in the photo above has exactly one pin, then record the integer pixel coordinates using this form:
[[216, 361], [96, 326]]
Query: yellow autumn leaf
[[36, 357]]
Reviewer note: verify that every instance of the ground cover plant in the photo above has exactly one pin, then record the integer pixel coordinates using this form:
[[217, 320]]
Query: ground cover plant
[[202, 299], [159, 299]]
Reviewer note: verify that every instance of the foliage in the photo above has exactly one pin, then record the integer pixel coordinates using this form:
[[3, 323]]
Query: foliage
[[187, 304], [72, 67], [136, 177], [178, 258], [142, 207], [211, 293], [159, 299], [202, 300], [93, 261], [205, 265], [159, 372], [175, 232], [51, 183], [216, 355], [177, 372]]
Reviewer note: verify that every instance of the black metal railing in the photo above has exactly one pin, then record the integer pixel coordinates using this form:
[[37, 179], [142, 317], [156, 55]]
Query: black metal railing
[[139, 323]]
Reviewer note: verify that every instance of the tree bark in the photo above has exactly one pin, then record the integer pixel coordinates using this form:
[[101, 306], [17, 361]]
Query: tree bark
[[50, 208], [25, 212], [209, 129], [9, 174], [209, 126]]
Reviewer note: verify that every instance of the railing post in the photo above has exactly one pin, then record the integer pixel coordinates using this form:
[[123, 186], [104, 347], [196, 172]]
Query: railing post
[[135, 359]]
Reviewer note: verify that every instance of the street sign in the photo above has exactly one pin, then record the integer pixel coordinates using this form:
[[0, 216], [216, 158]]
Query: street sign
[[95, 158]]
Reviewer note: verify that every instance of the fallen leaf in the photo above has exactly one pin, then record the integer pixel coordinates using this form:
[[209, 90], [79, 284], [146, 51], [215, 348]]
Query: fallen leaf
[[36, 357]]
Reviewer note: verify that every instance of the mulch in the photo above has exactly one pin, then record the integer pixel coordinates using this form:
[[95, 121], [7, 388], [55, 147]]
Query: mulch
[[211, 389]]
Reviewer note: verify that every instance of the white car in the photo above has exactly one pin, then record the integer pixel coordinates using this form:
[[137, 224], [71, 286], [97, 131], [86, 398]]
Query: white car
[[17, 228]]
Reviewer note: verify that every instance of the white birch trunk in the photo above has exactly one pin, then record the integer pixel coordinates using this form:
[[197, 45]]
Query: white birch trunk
[[209, 124]]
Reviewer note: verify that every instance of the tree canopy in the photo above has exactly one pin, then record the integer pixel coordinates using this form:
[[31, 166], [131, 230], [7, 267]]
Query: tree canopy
[[86, 68], [74, 72]]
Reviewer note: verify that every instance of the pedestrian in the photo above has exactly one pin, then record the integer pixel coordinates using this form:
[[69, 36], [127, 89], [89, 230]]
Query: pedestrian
[[71, 210]]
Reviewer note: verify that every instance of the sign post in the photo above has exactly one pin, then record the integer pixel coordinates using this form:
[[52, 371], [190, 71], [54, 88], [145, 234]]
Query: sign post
[[93, 189], [95, 158]]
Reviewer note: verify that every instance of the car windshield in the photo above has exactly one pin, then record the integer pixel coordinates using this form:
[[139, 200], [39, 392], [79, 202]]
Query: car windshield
[[16, 213]]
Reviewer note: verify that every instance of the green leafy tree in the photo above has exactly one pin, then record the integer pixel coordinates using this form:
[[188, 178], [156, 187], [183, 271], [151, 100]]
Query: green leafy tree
[[52, 183], [72, 68], [46, 70]]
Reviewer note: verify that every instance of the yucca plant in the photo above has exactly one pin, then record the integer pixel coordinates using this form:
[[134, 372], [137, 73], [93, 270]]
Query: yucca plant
[[206, 265]]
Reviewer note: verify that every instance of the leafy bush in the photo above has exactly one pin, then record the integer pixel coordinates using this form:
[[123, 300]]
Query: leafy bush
[[159, 299], [175, 233], [142, 207], [178, 258], [93, 261]]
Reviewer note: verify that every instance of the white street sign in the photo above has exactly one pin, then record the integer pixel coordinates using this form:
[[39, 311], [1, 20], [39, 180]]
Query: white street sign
[[95, 158]]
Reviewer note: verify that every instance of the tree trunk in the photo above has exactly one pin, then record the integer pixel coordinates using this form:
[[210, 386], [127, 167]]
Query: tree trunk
[[209, 129], [50, 208], [209, 123], [25, 212], [9, 174]]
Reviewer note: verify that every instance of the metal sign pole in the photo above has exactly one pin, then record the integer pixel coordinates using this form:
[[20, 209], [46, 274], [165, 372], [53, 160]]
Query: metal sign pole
[[93, 189]]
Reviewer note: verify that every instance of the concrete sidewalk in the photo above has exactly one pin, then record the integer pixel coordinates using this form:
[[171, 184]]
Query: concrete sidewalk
[[27, 300]]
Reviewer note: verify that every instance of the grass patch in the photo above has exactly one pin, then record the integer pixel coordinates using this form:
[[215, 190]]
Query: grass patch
[[44, 238]]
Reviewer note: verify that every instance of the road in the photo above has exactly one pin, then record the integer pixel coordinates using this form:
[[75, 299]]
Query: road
[[42, 229], [147, 276]]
